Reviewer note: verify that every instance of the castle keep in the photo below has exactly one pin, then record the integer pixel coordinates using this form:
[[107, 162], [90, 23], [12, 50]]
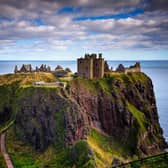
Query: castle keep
[[91, 66], [95, 67]]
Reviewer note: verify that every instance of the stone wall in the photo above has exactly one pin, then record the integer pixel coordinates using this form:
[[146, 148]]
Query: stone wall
[[85, 68], [134, 68], [131, 69], [91, 67], [98, 68]]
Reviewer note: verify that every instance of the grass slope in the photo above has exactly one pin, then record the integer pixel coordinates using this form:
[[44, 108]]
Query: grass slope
[[24, 156], [26, 78], [2, 162], [138, 115], [106, 148]]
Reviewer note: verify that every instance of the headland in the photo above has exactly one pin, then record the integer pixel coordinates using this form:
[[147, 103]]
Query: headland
[[101, 117]]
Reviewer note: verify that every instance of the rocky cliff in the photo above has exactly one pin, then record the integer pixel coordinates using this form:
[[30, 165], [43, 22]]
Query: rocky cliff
[[124, 107], [116, 116]]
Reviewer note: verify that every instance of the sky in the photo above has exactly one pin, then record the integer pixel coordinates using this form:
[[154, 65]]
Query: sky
[[67, 29]]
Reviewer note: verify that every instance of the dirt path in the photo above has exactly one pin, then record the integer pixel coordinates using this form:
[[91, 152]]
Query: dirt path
[[4, 152]]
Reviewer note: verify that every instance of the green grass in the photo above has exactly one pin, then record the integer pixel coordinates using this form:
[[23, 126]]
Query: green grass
[[24, 156], [94, 86], [103, 84], [106, 148], [139, 77], [86, 84], [27, 78], [138, 130], [156, 162], [60, 126], [8, 97], [151, 162], [138, 115], [21, 155], [79, 155], [2, 162]]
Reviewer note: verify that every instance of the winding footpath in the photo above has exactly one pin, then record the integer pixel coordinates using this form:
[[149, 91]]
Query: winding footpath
[[4, 152]]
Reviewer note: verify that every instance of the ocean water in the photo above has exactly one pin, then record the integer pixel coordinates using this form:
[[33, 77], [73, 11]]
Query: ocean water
[[156, 70]]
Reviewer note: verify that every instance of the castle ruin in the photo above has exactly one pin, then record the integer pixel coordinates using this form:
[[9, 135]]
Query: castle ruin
[[95, 67], [91, 66], [58, 72], [131, 69]]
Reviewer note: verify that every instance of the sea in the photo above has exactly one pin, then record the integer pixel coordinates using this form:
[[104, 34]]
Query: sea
[[156, 70]]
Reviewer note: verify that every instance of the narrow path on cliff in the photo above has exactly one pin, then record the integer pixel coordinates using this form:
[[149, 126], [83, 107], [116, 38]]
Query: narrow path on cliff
[[4, 152]]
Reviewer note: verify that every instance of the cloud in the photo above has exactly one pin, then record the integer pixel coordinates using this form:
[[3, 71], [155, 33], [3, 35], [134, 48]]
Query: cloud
[[39, 26], [31, 8]]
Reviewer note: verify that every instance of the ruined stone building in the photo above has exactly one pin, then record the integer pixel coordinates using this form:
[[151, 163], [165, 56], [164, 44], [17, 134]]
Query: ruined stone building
[[91, 66], [134, 68], [95, 67], [43, 68], [58, 72], [61, 72], [131, 69], [25, 68]]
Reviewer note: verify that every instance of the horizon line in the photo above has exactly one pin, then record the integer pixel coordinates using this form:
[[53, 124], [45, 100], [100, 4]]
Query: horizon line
[[105, 59]]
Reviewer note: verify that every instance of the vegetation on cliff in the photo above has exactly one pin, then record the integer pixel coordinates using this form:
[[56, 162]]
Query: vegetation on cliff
[[26, 78], [23, 155], [2, 162], [90, 123], [156, 161]]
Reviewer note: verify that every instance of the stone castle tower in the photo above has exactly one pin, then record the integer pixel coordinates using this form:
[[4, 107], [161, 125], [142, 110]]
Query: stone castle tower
[[91, 67]]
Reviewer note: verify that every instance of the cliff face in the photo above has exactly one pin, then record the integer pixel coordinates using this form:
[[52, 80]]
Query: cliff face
[[47, 116], [121, 108]]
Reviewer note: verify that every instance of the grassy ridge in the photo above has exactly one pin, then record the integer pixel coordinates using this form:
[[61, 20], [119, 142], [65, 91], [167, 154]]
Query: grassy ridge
[[26, 78]]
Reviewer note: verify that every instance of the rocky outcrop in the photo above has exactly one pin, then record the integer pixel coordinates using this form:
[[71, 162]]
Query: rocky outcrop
[[106, 105], [122, 107], [47, 117]]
